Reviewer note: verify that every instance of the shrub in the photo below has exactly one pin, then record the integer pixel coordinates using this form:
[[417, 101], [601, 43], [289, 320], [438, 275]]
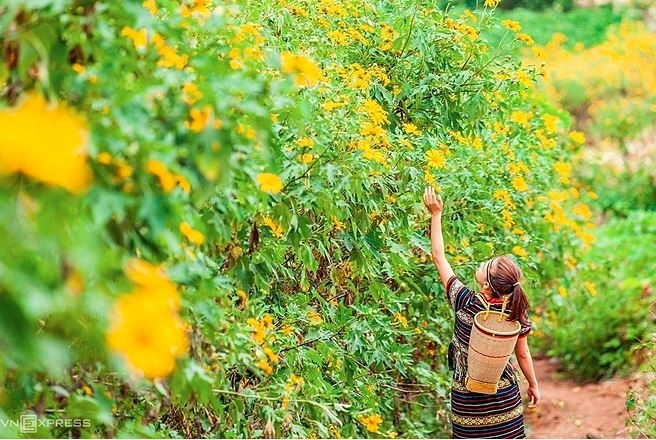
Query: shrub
[[594, 321]]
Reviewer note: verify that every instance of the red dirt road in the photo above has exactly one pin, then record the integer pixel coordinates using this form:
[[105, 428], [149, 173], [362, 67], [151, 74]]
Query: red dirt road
[[569, 410]]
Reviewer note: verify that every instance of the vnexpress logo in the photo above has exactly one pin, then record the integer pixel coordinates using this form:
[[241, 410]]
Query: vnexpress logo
[[28, 423]]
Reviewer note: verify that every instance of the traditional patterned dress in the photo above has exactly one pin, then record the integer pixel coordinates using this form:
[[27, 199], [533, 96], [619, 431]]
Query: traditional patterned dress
[[476, 415]]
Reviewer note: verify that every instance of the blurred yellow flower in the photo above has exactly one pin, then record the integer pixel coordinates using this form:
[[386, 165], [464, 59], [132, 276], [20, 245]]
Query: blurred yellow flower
[[139, 37], [519, 251], [275, 228], [269, 182], [271, 355], [170, 58], [519, 183], [166, 179], [151, 6], [590, 288], [315, 318], [259, 331], [303, 69], [194, 236], [79, 68], [265, 366], [144, 326], [577, 137], [47, 142], [562, 292], [104, 158], [305, 142], [190, 93], [491, 3]]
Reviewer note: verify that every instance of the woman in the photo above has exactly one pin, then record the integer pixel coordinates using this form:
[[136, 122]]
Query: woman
[[476, 415]]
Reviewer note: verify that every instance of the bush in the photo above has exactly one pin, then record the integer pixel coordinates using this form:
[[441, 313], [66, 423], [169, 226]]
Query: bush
[[594, 322], [619, 191], [609, 88], [641, 403]]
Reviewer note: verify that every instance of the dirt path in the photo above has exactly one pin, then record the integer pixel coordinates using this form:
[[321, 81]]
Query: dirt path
[[569, 410]]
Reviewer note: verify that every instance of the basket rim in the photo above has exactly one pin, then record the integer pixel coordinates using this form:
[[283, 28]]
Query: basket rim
[[496, 332]]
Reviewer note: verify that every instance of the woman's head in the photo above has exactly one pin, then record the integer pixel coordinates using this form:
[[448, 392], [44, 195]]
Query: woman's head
[[501, 276]]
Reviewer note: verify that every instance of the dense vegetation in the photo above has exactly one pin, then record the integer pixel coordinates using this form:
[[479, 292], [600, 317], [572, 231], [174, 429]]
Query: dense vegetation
[[215, 227]]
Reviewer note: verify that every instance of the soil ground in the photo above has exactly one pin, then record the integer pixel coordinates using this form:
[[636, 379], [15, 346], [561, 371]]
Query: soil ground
[[570, 410]]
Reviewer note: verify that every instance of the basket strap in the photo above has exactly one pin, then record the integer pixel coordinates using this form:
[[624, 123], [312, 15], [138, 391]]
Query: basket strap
[[485, 303], [503, 306]]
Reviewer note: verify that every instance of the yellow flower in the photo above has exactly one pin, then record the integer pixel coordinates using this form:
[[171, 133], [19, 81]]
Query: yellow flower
[[151, 6], [511, 25], [79, 68], [166, 179], [519, 251], [265, 366], [522, 118], [303, 69], [145, 327], [170, 58], [104, 158], [275, 228], [590, 288], [491, 3], [190, 93], [199, 119], [269, 182], [583, 211], [305, 142], [307, 158], [550, 123], [519, 184], [45, 142], [401, 320], [562, 292], [526, 39], [371, 422], [259, 331], [315, 318], [139, 37], [411, 129], [194, 236], [577, 137], [435, 159], [271, 355]]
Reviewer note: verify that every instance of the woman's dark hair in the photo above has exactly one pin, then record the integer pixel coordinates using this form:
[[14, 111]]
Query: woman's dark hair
[[505, 277]]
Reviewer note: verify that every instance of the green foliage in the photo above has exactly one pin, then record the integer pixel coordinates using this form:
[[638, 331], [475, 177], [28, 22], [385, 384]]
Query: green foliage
[[641, 403], [532, 5], [582, 26], [595, 320], [620, 191], [538, 5]]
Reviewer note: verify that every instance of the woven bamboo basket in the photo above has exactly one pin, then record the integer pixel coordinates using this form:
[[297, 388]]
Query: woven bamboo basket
[[491, 343]]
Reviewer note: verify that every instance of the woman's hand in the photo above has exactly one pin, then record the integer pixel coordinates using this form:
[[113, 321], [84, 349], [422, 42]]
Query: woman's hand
[[534, 396], [433, 202]]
